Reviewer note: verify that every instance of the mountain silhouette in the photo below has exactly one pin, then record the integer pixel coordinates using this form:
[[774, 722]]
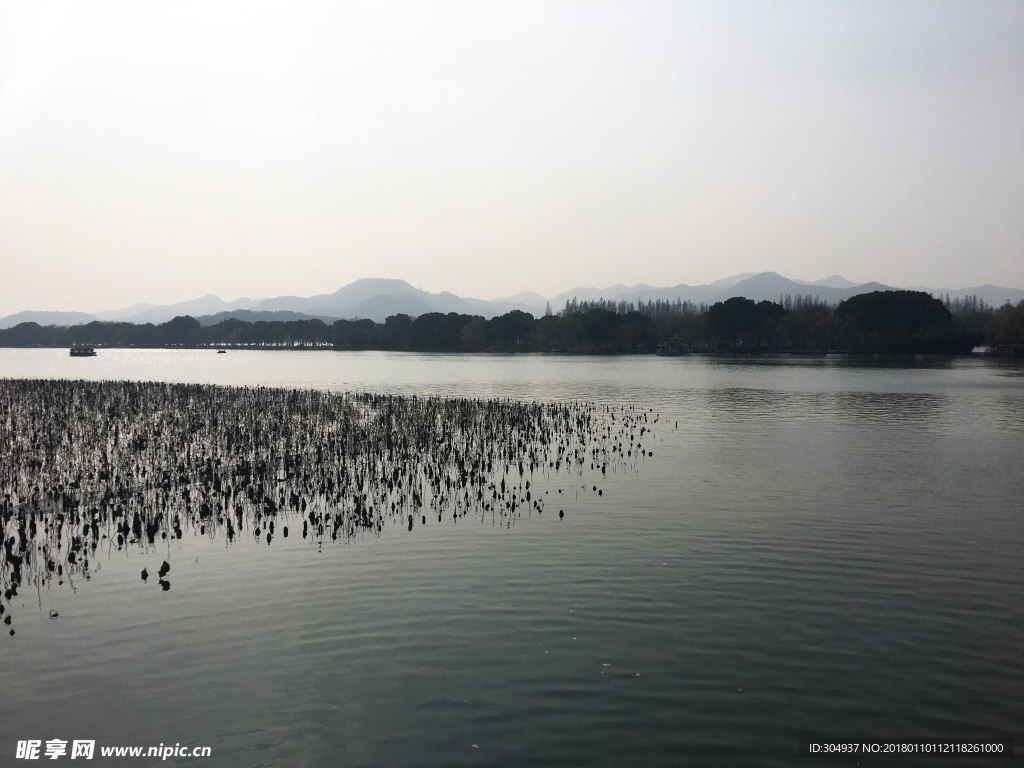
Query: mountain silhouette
[[378, 298]]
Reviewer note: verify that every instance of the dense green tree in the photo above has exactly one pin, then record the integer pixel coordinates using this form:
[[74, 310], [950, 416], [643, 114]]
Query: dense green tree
[[636, 332], [353, 334], [436, 332], [396, 333], [808, 327], [741, 322], [895, 321], [474, 335], [183, 330], [513, 330], [1007, 327]]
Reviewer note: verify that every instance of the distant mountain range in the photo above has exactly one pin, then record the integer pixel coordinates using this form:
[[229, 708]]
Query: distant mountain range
[[768, 286], [377, 299]]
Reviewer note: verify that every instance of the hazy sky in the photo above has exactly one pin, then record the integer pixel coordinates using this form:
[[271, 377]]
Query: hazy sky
[[158, 151]]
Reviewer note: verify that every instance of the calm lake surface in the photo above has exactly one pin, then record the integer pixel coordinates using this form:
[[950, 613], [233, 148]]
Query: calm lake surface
[[824, 546]]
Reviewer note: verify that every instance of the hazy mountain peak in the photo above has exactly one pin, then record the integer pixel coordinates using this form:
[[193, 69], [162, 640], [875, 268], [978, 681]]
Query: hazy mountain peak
[[117, 314], [835, 281], [46, 318], [524, 297], [381, 285], [728, 282]]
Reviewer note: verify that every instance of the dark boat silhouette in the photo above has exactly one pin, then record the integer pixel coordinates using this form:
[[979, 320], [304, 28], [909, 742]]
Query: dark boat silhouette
[[83, 352], [672, 348]]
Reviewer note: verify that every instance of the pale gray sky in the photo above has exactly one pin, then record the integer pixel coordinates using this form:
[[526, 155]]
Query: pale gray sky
[[158, 151]]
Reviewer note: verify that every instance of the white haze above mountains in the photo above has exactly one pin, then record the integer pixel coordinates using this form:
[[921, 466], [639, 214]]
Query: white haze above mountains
[[377, 299]]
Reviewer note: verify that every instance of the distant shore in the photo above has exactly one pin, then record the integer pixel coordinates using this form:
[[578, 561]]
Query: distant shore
[[1009, 351], [883, 322]]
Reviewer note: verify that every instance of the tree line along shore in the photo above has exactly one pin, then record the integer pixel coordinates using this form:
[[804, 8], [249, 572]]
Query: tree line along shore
[[898, 322]]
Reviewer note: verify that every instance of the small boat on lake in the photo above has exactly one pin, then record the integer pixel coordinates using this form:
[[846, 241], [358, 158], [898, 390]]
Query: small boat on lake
[[83, 352], [672, 348], [222, 351]]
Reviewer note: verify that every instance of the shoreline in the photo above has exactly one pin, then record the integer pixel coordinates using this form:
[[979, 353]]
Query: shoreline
[[748, 352]]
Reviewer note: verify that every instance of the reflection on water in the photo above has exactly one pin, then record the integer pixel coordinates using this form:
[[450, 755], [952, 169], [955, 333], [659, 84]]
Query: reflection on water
[[861, 407], [823, 546], [103, 466]]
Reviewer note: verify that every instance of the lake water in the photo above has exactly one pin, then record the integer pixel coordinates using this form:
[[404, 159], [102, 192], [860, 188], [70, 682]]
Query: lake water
[[823, 546]]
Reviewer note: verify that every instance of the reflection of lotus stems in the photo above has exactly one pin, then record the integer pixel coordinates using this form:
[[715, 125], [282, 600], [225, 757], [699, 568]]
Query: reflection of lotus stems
[[100, 467]]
